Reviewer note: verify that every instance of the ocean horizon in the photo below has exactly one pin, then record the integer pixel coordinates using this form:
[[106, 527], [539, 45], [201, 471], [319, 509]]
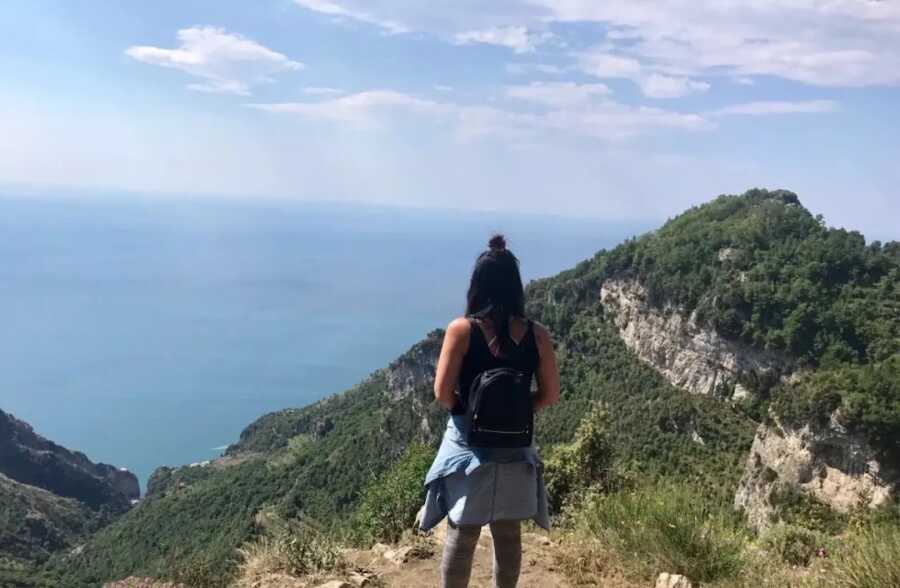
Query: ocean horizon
[[150, 331]]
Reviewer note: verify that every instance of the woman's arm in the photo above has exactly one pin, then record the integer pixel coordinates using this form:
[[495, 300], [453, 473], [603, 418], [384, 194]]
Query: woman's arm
[[547, 370], [456, 344]]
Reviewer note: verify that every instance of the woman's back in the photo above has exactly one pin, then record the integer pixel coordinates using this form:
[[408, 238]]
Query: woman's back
[[485, 352]]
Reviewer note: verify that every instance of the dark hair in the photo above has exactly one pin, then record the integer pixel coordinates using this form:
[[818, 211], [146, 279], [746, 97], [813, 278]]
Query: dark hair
[[496, 291]]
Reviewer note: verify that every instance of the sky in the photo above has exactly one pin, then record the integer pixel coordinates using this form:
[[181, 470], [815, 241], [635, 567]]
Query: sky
[[622, 109]]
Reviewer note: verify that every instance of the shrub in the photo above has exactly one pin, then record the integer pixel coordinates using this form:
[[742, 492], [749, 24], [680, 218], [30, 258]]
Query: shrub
[[196, 572], [390, 503], [792, 544], [584, 463], [802, 510], [669, 527]]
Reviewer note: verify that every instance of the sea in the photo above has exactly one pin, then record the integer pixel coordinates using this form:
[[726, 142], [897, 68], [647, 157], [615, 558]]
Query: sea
[[148, 331]]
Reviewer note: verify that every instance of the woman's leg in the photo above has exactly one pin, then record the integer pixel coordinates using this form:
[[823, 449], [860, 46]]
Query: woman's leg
[[459, 549], [507, 552]]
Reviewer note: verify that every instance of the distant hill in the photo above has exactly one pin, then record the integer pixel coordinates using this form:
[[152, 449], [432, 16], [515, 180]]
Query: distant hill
[[51, 497], [738, 322]]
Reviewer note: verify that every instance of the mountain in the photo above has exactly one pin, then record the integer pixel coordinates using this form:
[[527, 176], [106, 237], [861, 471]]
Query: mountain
[[753, 300], [52, 497], [31, 459], [744, 347]]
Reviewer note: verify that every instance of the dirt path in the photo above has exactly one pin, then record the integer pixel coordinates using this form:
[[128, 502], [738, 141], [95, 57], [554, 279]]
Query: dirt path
[[421, 569]]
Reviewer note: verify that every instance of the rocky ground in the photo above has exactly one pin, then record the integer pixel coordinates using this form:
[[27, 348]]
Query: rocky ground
[[419, 564]]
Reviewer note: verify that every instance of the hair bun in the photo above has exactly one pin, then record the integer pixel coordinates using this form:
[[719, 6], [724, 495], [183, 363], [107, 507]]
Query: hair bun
[[497, 242]]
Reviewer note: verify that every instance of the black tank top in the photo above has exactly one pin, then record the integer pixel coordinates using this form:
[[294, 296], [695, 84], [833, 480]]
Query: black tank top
[[524, 357]]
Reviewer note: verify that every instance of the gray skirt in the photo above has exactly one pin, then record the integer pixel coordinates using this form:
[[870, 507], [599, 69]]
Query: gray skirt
[[476, 486]]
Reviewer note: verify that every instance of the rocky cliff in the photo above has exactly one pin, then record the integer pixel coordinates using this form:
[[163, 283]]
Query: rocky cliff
[[690, 355], [29, 458], [824, 462]]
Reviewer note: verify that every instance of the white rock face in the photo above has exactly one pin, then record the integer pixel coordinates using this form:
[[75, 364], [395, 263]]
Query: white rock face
[[690, 356], [825, 463]]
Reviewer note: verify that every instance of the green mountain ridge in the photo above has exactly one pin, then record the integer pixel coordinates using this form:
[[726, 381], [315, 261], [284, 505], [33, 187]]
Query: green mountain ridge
[[822, 297], [51, 498]]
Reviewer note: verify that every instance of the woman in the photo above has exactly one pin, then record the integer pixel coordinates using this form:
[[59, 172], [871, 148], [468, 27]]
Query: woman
[[475, 486]]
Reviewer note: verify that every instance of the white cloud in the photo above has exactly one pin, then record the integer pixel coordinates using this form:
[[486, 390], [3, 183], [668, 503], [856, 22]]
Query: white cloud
[[227, 63], [763, 108], [321, 91], [820, 42], [559, 94], [544, 68], [614, 122], [517, 38], [660, 86], [334, 9], [570, 113], [364, 110], [604, 65], [443, 88], [840, 43]]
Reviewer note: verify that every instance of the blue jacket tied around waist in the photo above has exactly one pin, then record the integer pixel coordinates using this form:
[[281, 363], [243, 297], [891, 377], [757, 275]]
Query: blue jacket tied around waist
[[475, 486]]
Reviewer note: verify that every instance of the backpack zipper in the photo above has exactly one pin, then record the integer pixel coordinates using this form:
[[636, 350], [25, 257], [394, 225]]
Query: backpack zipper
[[483, 430]]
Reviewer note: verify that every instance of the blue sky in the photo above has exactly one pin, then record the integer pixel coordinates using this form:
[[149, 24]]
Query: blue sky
[[618, 109]]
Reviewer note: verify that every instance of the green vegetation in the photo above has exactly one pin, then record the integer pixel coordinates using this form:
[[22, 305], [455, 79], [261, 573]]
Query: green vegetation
[[758, 268], [34, 523], [792, 544], [867, 396], [667, 527], [655, 430], [806, 511], [584, 464], [869, 559], [194, 528], [389, 504]]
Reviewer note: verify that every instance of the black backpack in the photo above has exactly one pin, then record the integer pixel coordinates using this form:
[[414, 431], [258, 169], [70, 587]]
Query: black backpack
[[500, 409]]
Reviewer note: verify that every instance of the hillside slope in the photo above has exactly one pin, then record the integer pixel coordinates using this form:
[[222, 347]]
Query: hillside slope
[[32, 459], [753, 287], [753, 300], [51, 498]]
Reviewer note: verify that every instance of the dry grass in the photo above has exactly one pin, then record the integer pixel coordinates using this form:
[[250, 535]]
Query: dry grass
[[587, 562], [869, 558], [135, 582], [666, 528], [287, 552]]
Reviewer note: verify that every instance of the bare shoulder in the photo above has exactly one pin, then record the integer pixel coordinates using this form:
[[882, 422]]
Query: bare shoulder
[[541, 332], [459, 328]]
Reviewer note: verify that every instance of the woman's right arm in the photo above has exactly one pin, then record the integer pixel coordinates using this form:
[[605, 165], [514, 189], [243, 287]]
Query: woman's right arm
[[454, 348], [547, 370]]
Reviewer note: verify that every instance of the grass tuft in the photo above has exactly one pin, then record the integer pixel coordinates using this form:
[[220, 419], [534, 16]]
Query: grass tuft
[[870, 558], [668, 528]]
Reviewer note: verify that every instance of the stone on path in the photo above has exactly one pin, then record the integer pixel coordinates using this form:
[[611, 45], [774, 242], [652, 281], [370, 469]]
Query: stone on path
[[398, 556], [666, 580], [335, 584]]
